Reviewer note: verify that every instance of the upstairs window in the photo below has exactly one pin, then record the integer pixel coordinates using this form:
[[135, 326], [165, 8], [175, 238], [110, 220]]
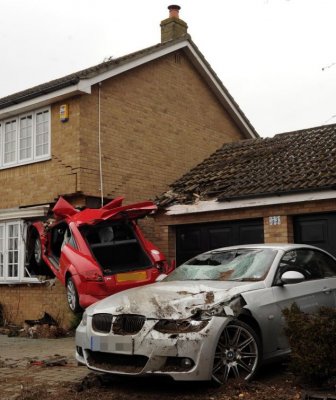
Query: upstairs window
[[25, 139]]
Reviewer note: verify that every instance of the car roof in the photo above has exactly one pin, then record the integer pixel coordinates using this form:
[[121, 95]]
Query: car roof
[[275, 246]]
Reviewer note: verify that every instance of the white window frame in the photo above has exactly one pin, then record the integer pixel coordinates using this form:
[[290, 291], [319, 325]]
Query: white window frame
[[27, 159], [2, 251], [20, 277], [12, 162], [34, 157]]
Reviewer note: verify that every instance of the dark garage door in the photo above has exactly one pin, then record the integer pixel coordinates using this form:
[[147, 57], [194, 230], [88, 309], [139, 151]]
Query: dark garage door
[[195, 239], [317, 230]]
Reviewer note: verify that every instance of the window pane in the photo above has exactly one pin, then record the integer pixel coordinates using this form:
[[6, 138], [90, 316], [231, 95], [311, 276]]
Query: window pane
[[10, 142], [42, 133], [26, 137], [1, 251], [13, 250]]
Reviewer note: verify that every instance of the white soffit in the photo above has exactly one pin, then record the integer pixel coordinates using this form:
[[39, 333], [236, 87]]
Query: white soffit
[[23, 213], [213, 205], [44, 100]]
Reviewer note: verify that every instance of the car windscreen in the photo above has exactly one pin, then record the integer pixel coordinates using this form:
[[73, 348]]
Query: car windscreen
[[226, 265]]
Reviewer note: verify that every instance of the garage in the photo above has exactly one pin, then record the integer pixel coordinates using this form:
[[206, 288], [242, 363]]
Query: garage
[[317, 230], [197, 238]]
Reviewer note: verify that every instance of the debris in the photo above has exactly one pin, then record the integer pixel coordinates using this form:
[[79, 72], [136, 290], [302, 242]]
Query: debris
[[46, 319], [50, 362]]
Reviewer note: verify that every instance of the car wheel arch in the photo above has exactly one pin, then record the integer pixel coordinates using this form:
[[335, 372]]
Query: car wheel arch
[[247, 317]]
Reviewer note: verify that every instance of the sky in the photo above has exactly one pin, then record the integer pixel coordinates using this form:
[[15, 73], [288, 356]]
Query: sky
[[277, 58]]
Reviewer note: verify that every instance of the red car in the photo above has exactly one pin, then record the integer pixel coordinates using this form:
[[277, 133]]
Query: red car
[[96, 252]]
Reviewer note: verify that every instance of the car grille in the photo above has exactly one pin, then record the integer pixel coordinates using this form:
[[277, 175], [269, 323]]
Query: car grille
[[102, 323], [116, 362], [128, 324], [122, 324]]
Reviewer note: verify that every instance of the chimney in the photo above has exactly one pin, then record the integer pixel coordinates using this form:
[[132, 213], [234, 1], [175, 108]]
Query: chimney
[[173, 27]]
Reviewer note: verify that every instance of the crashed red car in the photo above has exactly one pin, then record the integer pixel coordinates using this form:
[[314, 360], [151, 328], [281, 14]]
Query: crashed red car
[[97, 252]]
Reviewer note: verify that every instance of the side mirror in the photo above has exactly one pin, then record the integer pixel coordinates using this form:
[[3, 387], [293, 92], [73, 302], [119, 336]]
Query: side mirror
[[290, 277]]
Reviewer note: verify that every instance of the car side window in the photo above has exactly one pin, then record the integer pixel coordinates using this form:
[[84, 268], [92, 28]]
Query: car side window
[[324, 264], [311, 263]]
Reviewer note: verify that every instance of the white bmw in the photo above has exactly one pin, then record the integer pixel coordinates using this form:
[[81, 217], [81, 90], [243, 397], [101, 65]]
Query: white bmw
[[216, 316]]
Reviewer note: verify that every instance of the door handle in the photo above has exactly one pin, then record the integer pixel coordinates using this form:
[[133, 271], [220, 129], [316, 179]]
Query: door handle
[[326, 290]]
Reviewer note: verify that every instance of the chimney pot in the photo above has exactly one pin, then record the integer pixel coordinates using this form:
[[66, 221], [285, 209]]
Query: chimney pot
[[173, 27], [174, 11]]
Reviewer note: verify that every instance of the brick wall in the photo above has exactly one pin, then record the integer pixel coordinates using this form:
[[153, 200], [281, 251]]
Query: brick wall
[[23, 302], [157, 121]]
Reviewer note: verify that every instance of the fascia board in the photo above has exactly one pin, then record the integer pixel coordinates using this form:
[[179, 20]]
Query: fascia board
[[213, 205], [23, 213], [45, 100], [135, 63]]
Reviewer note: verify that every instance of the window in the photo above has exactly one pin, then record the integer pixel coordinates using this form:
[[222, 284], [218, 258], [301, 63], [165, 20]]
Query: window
[[311, 263], [11, 251], [25, 139]]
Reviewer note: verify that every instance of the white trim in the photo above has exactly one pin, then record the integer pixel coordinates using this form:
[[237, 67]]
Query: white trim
[[214, 205], [44, 100], [23, 213]]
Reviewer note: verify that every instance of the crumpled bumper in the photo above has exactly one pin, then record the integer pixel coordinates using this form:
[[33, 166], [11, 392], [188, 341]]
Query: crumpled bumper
[[182, 356]]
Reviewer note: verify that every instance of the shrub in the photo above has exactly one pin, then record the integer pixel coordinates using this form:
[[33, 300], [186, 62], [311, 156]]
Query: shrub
[[312, 338]]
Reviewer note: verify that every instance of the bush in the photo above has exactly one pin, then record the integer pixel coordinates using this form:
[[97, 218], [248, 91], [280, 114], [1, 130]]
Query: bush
[[312, 339]]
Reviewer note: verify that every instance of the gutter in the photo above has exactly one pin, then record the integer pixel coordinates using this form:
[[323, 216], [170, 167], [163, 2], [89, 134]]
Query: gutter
[[214, 205]]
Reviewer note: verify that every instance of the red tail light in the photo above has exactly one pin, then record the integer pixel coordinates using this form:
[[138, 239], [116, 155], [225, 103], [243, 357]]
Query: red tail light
[[93, 276]]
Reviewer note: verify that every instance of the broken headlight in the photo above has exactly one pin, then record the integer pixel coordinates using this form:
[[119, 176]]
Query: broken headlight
[[179, 326], [229, 308]]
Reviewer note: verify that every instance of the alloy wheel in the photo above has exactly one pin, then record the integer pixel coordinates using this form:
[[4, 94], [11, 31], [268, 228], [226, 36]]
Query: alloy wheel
[[237, 353]]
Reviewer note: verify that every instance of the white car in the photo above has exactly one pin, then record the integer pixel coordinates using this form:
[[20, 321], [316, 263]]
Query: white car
[[216, 316]]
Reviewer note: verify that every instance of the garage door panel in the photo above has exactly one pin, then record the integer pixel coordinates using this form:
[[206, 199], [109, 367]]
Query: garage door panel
[[198, 238], [317, 230], [251, 234], [219, 237]]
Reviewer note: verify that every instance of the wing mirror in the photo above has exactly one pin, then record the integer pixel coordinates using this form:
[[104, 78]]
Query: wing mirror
[[290, 277]]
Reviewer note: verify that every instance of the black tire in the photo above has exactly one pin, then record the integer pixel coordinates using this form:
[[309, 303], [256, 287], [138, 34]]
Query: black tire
[[72, 296], [37, 251], [238, 353]]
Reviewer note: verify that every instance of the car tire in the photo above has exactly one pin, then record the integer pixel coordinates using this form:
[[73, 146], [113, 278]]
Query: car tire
[[237, 355], [37, 251], [72, 296]]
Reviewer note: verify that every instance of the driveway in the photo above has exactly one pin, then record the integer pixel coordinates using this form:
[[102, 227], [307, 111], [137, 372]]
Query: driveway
[[29, 369], [25, 363]]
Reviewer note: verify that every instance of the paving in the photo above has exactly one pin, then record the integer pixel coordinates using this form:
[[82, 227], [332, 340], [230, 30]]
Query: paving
[[25, 363]]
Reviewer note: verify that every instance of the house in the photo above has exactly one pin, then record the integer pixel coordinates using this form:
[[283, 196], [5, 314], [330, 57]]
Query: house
[[128, 126], [280, 189]]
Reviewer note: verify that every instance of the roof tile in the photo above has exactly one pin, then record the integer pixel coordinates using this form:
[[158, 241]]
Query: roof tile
[[296, 161]]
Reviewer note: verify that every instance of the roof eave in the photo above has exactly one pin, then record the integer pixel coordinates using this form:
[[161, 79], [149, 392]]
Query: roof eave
[[44, 99], [214, 205]]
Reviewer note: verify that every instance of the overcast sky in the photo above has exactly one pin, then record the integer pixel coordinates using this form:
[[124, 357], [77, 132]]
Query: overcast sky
[[274, 56]]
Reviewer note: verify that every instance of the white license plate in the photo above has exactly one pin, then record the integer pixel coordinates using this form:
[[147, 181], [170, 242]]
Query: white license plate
[[109, 344]]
